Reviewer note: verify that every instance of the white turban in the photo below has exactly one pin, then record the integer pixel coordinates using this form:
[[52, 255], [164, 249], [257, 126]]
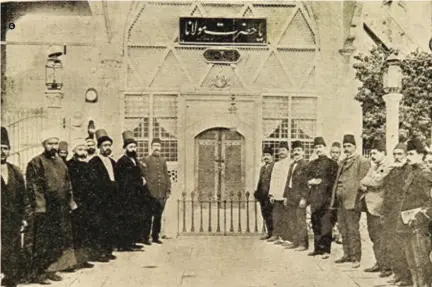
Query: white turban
[[49, 134], [78, 142]]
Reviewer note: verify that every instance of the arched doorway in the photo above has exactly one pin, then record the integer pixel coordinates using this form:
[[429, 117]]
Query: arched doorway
[[219, 163]]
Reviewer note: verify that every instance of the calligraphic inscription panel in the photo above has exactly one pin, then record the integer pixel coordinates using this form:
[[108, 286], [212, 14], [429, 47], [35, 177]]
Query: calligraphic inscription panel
[[250, 31]]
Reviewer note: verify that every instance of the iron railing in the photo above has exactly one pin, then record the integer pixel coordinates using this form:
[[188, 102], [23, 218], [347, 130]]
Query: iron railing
[[239, 214]]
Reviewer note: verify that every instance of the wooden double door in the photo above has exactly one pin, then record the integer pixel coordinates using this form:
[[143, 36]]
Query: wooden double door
[[219, 163]]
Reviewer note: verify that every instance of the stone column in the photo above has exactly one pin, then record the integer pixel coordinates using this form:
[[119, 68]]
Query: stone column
[[392, 101]]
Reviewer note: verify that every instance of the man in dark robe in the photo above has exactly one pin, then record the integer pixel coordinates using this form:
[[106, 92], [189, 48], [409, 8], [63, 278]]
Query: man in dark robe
[[321, 176], [104, 207], [133, 193], [296, 197], [159, 183], [79, 172], [14, 212], [262, 192], [51, 197], [415, 216], [393, 195]]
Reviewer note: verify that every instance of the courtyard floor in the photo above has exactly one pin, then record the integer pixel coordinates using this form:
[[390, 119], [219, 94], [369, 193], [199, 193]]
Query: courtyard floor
[[237, 261]]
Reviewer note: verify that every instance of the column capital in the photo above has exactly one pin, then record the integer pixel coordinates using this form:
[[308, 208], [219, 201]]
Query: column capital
[[392, 98]]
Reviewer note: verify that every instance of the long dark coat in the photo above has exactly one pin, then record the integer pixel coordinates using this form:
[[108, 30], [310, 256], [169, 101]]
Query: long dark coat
[[299, 188], [15, 207], [80, 175], [104, 207], [158, 180], [417, 193], [50, 192], [263, 186], [325, 169], [133, 195]]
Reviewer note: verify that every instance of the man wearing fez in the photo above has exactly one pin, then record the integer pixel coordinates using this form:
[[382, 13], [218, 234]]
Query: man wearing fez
[[14, 212], [295, 198], [79, 172], [159, 184], [346, 197], [372, 196], [105, 205], [262, 192], [133, 193], [416, 214], [63, 150], [321, 176], [50, 192], [278, 181], [335, 151], [91, 148], [393, 195]]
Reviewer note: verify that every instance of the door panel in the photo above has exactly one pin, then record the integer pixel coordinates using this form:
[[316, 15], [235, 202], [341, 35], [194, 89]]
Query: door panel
[[219, 163]]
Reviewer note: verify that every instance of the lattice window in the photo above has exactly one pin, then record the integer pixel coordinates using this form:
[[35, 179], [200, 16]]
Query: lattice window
[[275, 121], [280, 124], [165, 124]]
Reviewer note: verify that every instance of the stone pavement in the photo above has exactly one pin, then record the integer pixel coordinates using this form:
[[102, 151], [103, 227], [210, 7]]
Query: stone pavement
[[237, 261]]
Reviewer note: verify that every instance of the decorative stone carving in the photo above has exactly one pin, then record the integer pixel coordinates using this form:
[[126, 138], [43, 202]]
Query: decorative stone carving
[[221, 82]]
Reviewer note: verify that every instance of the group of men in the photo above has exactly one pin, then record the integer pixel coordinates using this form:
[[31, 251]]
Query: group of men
[[78, 210], [395, 195]]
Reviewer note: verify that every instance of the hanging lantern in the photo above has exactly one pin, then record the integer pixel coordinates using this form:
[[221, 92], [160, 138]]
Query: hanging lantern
[[54, 73], [392, 78]]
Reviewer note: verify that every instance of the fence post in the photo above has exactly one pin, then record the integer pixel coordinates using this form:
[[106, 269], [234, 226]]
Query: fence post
[[239, 194], [225, 202], [184, 211], [231, 219], [201, 213], [247, 212], [210, 221], [193, 211], [218, 213]]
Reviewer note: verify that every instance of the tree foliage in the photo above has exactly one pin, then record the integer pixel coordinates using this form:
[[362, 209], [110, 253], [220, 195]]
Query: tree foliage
[[416, 105]]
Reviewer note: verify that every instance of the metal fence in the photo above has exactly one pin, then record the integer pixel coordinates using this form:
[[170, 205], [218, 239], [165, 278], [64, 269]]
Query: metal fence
[[240, 214], [24, 127]]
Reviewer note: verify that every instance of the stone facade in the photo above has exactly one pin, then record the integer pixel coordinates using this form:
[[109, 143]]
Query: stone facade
[[130, 50]]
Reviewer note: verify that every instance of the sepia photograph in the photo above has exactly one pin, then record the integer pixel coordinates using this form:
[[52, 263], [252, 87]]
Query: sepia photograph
[[216, 143]]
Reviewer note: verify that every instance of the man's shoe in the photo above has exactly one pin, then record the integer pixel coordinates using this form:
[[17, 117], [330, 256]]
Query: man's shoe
[[70, 270], [146, 242], [287, 243], [102, 259], [111, 256], [279, 242], [54, 277], [385, 273], [272, 239], [343, 259], [265, 237], [373, 269], [292, 246], [355, 264], [301, 248], [325, 256], [404, 283], [314, 253], [394, 280], [157, 241], [86, 265], [41, 280]]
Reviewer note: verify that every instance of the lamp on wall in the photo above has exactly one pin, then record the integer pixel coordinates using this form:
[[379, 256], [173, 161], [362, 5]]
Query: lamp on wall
[[54, 69]]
